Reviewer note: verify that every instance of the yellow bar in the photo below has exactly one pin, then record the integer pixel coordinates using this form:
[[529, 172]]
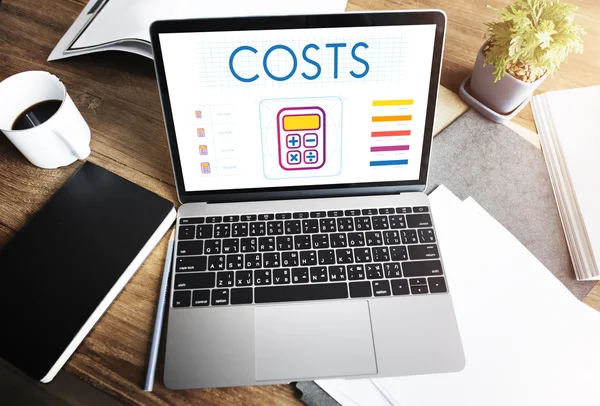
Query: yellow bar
[[406, 102], [302, 122], [377, 119]]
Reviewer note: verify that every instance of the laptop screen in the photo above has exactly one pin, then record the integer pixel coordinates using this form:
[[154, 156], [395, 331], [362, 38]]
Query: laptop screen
[[299, 107]]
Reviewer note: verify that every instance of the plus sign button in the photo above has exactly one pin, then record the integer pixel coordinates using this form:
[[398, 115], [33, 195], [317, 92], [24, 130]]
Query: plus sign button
[[293, 141]]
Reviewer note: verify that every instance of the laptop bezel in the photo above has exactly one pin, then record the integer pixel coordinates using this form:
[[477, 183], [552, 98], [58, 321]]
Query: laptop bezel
[[360, 19]]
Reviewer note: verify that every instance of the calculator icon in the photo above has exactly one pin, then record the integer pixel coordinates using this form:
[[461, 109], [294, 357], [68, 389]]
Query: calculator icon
[[301, 138]]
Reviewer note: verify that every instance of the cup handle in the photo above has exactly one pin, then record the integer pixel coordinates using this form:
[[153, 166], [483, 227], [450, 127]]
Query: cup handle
[[79, 150]]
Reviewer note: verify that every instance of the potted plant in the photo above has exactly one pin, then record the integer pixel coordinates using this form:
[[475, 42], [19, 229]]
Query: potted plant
[[530, 42]]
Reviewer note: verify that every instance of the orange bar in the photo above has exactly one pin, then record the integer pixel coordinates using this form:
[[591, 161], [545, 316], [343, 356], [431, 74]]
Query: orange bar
[[378, 119], [406, 102]]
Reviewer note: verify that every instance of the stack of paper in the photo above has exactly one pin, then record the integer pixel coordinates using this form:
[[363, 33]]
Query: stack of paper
[[570, 137], [527, 339]]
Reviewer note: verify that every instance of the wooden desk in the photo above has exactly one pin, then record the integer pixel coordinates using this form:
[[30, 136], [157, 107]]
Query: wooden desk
[[118, 97]]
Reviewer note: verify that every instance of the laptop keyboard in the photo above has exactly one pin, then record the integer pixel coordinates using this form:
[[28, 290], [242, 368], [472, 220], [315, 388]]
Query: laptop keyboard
[[284, 257]]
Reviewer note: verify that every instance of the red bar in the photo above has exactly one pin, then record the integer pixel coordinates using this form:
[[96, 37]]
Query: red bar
[[390, 133]]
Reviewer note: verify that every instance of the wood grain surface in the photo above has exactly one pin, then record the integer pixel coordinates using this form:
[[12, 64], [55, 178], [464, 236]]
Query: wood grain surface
[[117, 95]]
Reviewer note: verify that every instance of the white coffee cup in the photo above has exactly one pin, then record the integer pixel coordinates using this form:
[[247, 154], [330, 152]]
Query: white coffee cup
[[60, 140]]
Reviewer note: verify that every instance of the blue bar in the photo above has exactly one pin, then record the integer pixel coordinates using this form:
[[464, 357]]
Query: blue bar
[[386, 163]]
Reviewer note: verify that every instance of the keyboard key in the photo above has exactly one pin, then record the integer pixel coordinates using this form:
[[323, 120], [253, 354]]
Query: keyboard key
[[380, 222], [327, 225], [335, 213], [266, 244], [310, 226], [275, 228], [249, 244], [253, 261], [243, 278], [248, 217], [356, 272], [356, 239], [369, 212], [374, 238], [258, 228], [299, 275], [397, 221], [337, 273], [374, 271], [318, 274], [192, 220], [344, 256], [399, 286], [418, 220], [293, 293], [216, 262], [220, 297], [417, 281], [231, 219], [231, 246], [301, 215], [320, 241], [271, 260], [212, 247], [289, 258], [285, 243], [262, 277], [360, 289], [200, 280], [204, 231], [214, 219], [293, 227], [188, 264], [190, 247], [186, 232], [222, 230], [317, 214], [338, 240], [362, 255], [381, 288], [345, 224], [398, 253], [403, 210], [362, 223], [380, 254], [308, 258], [281, 276], [266, 217], [326, 257], [182, 298], [392, 270], [420, 209], [355, 212], [391, 237], [426, 235], [302, 242], [225, 279], [420, 289], [437, 284], [235, 261], [409, 236], [422, 268], [428, 251], [241, 296], [387, 210], [283, 216], [201, 298], [239, 230]]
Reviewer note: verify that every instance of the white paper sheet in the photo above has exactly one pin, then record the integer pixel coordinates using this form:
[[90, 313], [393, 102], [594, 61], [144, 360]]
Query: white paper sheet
[[353, 392]]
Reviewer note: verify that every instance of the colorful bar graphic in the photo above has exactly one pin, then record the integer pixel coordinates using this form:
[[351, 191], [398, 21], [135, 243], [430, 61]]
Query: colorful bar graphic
[[302, 122], [390, 133], [389, 163], [379, 119], [390, 148], [405, 102]]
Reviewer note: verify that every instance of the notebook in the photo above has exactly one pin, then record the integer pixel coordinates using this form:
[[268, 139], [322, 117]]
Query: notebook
[[63, 269], [567, 121]]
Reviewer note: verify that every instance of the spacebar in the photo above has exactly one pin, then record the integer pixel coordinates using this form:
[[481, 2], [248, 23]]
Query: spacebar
[[292, 293]]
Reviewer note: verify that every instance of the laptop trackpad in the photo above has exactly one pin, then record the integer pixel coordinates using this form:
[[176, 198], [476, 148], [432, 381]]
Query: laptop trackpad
[[313, 340]]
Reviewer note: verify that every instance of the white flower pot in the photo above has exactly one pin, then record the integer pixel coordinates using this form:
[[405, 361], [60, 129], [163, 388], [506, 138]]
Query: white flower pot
[[503, 96]]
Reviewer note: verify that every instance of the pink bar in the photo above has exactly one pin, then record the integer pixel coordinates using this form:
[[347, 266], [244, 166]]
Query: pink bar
[[390, 148]]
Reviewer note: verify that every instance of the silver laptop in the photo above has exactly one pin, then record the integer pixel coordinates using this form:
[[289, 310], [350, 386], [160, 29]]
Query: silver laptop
[[305, 244]]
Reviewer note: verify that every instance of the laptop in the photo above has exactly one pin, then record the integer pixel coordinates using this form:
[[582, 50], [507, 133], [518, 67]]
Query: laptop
[[305, 244]]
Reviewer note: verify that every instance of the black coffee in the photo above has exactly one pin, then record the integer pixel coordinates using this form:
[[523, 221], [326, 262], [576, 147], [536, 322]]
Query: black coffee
[[36, 114]]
